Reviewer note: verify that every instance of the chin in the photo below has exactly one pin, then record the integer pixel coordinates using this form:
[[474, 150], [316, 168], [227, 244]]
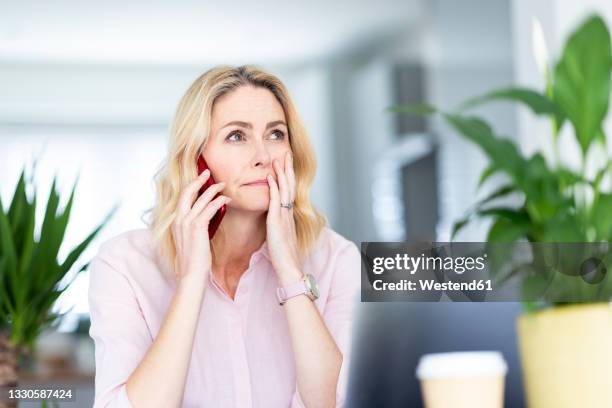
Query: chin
[[257, 205]]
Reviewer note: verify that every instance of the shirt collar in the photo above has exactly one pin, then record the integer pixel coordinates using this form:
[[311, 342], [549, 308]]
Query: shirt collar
[[262, 251]]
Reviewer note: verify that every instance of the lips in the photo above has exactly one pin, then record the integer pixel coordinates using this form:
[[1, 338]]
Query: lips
[[257, 182]]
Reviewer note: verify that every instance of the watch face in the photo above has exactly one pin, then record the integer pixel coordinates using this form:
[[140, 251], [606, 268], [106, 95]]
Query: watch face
[[312, 285]]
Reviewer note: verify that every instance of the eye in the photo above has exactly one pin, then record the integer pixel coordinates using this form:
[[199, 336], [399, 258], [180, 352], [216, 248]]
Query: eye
[[280, 135], [235, 133]]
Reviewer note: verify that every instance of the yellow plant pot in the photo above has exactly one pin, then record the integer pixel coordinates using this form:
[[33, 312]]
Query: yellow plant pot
[[566, 355]]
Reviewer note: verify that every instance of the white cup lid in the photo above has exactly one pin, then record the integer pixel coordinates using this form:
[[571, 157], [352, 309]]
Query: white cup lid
[[461, 364]]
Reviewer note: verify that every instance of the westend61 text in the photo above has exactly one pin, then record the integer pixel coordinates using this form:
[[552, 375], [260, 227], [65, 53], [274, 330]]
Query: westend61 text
[[430, 284]]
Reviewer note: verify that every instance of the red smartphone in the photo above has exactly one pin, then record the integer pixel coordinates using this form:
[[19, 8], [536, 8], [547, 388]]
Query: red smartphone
[[216, 219]]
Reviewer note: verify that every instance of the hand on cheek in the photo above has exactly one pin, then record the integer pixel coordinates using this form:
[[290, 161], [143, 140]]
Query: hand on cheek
[[281, 233]]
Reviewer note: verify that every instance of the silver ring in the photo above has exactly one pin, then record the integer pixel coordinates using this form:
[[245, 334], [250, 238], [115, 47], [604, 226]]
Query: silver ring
[[287, 206]]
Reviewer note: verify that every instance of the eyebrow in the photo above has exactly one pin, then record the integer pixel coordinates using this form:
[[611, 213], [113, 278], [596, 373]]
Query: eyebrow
[[249, 126]]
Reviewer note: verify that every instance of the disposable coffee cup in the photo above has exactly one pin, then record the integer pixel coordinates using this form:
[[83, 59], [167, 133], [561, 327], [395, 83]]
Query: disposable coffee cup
[[471, 379]]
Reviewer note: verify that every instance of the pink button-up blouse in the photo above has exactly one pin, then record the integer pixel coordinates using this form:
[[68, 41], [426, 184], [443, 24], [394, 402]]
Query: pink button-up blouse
[[242, 354]]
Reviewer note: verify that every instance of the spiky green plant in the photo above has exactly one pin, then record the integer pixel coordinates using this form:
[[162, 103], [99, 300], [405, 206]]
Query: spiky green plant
[[557, 204], [30, 274]]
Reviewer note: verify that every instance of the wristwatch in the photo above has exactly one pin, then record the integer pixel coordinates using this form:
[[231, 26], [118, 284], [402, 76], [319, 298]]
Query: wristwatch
[[305, 286]]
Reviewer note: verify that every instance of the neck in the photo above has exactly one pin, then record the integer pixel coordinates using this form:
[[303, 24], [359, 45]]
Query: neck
[[240, 234]]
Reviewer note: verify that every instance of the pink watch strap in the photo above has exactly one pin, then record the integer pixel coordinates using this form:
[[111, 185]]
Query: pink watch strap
[[294, 289]]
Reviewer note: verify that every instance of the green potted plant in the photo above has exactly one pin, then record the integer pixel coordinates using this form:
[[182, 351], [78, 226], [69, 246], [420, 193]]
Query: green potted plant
[[30, 274], [564, 344]]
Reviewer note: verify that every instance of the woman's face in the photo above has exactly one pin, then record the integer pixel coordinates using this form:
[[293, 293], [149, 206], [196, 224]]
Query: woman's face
[[248, 131]]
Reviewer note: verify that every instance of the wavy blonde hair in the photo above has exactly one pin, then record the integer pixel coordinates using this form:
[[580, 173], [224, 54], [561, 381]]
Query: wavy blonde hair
[[188, 137]]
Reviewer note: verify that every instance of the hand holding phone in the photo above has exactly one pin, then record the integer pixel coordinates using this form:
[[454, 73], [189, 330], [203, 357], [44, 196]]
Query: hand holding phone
[[218, 217], [193, 260]]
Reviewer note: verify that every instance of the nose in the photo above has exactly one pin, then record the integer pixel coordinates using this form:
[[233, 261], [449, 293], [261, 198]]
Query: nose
[[261, 157]]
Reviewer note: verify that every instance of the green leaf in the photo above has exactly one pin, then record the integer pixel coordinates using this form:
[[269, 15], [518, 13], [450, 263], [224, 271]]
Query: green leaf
[[44, 268], [488, 172], [565, 226], [604, 171], [505, 230], [510, 214], [569, 178], [500, 192], [60, 224], [17, 205], [501, 152], [76, 252], [582, 80], [601, 136], [6, 301], [51, 209], [7, 250], [544, 197], [602, 217], [538, 103], [47, 233], [458, 226], [27, 248]]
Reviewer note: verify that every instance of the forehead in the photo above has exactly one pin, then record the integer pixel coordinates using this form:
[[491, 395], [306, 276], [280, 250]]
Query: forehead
[[247, 103]]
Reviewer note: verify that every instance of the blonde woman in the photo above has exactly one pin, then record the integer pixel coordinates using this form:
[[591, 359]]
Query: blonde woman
[[258, 316]]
